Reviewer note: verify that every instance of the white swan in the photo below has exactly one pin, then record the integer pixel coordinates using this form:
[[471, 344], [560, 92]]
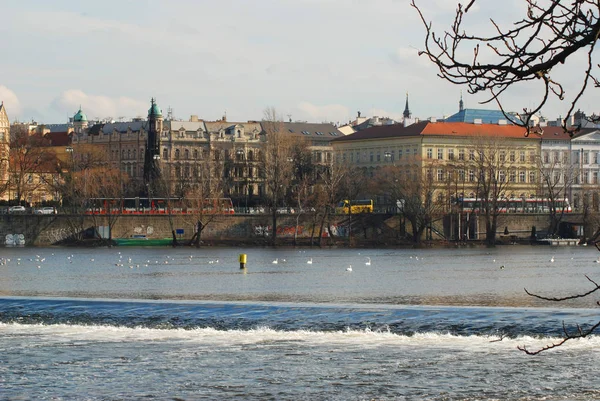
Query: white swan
[[309, 261], [552, 259], [275, 261], [349, 268], [368, 262]]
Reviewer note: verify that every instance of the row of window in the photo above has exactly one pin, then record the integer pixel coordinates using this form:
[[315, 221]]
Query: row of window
[[577, 156], [513, 176], [472, 154], [185, 154], [357, 157]]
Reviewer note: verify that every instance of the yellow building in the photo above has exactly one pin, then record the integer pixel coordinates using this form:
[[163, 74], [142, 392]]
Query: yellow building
[[451, 154]]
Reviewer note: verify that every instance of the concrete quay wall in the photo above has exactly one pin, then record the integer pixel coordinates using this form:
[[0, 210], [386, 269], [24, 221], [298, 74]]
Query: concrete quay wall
[[42, 230], [45, 230]]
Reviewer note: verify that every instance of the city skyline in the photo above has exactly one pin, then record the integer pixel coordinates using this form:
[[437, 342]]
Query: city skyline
[[311, 61]]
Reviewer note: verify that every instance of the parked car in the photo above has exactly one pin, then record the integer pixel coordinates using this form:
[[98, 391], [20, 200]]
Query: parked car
[[17, 209], [45, 210]]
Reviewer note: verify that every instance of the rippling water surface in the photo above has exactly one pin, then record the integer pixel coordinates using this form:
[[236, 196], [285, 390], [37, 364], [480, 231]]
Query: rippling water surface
[[441, 324]]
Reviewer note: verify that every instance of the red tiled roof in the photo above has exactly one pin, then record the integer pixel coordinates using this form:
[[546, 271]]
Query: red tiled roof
[[58, 138], [468, 129], [438, 128]]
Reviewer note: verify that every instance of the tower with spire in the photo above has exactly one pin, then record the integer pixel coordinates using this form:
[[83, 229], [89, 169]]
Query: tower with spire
[[407, 112], [461, 104], [152, 154]]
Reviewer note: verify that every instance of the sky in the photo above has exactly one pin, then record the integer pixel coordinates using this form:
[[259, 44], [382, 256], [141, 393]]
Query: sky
[[310, 60]]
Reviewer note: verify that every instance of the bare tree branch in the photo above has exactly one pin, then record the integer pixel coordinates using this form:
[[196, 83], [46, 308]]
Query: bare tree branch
[[550, 33]]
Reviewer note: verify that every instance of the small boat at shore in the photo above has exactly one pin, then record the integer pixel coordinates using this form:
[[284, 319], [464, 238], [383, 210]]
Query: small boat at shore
[[143, 241]]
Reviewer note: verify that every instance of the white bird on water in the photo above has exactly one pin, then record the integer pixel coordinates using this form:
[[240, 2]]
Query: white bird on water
[[309, 261], [368, 262], [552, 259], [275, 261], [349, 268]]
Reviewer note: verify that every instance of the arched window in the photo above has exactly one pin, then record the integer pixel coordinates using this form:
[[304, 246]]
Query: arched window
[[165, 154], [195, 154], [128, 153], [186, 153], [134, 154], [176, 154], [123, 154], [250, 155]]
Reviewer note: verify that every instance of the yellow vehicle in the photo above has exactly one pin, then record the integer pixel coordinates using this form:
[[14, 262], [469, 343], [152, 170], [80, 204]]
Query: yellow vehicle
[[355, 206]]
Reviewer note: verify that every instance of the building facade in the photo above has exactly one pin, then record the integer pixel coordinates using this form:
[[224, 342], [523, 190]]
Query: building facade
[[451, 154]]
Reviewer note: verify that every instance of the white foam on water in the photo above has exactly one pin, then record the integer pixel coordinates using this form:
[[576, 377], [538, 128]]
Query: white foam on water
[[362, 338]]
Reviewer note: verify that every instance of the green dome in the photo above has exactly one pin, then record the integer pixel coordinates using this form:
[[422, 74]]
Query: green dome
[[80, 116], [154, 110]]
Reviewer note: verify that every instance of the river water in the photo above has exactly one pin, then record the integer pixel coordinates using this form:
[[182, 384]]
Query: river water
[[188, 324]]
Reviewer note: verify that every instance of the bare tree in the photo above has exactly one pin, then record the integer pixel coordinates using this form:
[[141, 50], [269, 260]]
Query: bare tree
[[557, 176], [493, 172], [415, 193], [29, 156], [202, 198], [531, 49], [332, 177], [277, 163]]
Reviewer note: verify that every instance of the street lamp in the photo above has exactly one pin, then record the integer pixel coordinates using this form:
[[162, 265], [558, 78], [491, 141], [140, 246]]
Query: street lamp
[[69, 149], [388, 156], [242, 154]]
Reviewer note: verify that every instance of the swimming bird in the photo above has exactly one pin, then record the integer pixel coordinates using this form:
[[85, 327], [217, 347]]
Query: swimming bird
[[309, 261], [552, 259], [502, 267], [275, 261], [368, 262], [349, 268]]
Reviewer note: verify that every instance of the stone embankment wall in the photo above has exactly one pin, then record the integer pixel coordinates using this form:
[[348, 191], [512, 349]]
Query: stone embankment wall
[[51, 229]]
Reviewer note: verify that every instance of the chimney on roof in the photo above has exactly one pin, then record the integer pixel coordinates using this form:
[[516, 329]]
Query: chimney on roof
[[432, 119], [477, 121], [194, 118]]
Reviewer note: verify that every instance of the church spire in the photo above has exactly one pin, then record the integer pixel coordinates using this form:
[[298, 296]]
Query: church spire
[[406, 113], [461, 104]]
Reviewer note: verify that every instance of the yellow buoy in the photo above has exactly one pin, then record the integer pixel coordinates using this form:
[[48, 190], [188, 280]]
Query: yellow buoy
[[243, 258]]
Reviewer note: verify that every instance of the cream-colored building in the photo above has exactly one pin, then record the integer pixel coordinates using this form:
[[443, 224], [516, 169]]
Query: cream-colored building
[[448, 152]]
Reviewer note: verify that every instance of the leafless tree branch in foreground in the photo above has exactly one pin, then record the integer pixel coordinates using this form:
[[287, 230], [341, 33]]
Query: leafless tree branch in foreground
[[549, 35]]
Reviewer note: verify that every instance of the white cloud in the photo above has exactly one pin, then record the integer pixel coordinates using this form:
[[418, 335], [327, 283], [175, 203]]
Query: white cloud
[[98, 106], [326, 113], [11, 102]]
